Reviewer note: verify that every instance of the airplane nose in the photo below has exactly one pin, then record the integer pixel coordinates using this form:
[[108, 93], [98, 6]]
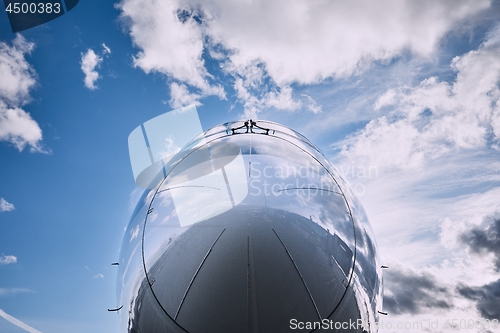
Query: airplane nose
[[250, 269], [247, 232]]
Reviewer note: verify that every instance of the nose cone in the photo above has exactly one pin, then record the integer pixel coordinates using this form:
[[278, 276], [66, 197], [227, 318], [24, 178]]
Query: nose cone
[[250, 269], [247, 232]]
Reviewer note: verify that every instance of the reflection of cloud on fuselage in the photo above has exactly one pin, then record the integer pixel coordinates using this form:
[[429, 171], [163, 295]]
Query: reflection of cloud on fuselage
[[168, 149]]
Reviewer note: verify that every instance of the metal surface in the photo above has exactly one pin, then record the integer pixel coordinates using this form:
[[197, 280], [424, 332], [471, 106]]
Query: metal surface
[[250, 228]]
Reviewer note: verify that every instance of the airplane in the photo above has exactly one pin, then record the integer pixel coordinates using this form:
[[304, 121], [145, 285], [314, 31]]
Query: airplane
[[245, 227]]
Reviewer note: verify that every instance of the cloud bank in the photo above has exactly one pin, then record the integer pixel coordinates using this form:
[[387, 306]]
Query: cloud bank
[[434, 200], [266, 47], [436, 117]]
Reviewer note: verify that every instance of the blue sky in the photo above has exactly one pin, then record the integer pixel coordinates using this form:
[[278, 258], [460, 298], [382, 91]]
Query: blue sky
[[409, 89]]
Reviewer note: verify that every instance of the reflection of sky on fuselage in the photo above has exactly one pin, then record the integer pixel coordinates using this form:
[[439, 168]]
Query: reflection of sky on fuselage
[[305, 189], [279, 174], [252, 170]]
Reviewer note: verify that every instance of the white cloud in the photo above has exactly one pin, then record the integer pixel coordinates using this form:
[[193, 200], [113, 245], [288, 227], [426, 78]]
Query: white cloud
[[409, 207], [5, 260], [251, 103], [106, 49], [17, 79], [286, 42], [180, 96], [12, 291], [168, 46], [282, 100], [98, 276], [254, 102], [447, 260], [18, 323], [18, 128], [306, 42], [89, 62], [418, 216], [311, 104], [436, 117], [5, 206]]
